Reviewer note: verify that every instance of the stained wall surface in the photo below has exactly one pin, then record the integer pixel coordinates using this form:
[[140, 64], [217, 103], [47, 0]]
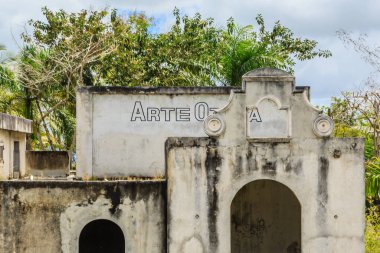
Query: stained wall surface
[[50, 164], [325, 175], [48, 216], [204, 178]]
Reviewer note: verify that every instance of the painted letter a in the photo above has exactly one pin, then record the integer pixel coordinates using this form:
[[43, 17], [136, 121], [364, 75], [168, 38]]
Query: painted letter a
[[138, 112], [254, 115]]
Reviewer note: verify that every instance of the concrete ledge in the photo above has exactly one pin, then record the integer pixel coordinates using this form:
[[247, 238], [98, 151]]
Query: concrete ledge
[[13, 123], [155, 90], [268, 74], [28, 184]]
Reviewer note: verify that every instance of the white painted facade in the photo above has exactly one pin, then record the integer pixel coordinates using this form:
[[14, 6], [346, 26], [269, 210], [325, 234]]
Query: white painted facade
[[123, 135], [13, 132]]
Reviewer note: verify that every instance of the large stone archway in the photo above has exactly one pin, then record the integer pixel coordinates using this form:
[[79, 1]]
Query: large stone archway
[[265, 218]]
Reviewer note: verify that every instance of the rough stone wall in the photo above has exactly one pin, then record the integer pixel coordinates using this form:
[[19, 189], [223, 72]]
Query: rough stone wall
[[323, 174], [48, 216], [47, 163]]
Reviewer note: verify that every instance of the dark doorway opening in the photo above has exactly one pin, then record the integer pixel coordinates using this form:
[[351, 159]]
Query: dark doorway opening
[[101, 236], [265, 218], [16, 156]]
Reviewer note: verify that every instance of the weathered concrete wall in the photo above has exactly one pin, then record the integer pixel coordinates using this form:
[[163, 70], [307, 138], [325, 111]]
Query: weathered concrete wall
[[47, 163], [48, 216], [12, 123], [115, 123], [268, 130], [326, 176], [7, 139]]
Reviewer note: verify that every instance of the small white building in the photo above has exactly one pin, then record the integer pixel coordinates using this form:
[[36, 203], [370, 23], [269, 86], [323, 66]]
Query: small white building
[[13, 131]]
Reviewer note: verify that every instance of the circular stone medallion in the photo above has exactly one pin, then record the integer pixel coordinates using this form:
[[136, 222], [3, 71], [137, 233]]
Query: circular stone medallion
[[214, 125], [323, 126]]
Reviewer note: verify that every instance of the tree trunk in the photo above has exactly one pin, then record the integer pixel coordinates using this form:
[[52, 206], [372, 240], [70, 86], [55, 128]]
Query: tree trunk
[[45, 126], [38, 133], [28, 113]]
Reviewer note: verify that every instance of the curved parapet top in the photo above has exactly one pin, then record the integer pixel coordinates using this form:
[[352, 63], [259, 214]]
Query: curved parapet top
[[267, 73]]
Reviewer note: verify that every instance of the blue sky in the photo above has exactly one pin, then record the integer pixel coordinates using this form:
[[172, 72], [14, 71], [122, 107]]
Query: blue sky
[[317, 19]]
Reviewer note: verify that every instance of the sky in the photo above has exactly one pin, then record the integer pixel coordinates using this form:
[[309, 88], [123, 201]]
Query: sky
[[312, 19]]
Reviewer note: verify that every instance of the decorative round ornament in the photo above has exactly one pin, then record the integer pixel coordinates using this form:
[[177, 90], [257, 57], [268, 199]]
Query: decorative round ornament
[[214, 125], [323, 126]]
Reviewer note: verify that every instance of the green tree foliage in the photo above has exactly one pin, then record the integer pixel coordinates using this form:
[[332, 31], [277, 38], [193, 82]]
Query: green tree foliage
[[244, 49], [14, 96], [59, 56], [89, 48], [9, 95], [373, 176], [189, 53]]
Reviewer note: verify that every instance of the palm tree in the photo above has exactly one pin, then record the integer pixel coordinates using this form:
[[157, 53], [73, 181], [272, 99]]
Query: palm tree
[[242, 52]]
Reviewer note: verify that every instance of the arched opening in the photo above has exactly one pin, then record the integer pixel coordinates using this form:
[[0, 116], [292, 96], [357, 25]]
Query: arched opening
[[265, 218], [101, 236]]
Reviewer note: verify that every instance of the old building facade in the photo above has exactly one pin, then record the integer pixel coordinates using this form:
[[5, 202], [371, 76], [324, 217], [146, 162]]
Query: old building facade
[[196, 170]]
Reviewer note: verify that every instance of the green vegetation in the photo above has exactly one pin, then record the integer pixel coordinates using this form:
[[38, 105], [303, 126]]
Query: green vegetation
[[372, 235], [91, 48]]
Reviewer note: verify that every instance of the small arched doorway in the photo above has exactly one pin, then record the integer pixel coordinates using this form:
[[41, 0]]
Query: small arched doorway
[[265, 218], [101, 236]]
